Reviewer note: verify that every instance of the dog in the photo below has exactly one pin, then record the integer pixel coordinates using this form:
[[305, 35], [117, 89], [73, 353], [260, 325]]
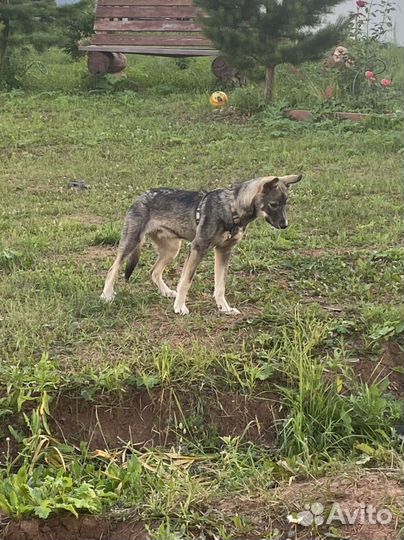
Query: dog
[[214, 219]]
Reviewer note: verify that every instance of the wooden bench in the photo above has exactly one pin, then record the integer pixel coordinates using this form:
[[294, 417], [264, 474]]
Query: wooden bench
[[151, 27]]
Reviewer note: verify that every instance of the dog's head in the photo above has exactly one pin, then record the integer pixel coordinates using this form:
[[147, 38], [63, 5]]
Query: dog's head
[[272, 198]]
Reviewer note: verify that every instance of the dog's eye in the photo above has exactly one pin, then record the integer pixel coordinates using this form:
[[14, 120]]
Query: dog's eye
[[273, 205]]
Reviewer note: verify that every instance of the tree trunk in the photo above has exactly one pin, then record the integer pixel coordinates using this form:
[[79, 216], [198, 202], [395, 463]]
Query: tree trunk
[[269, 83], [4, 41]]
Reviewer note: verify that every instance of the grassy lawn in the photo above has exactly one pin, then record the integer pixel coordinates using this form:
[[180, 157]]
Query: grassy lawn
[[203, 424]]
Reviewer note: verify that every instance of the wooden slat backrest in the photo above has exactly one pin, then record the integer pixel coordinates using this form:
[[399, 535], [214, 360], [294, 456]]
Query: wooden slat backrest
[[170, 23], [146, 16], [147, 12], [171, 40], [145, 3], [147, 26]]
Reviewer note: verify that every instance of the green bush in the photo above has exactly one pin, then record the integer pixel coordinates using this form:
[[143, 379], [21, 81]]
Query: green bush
[[248, 100]]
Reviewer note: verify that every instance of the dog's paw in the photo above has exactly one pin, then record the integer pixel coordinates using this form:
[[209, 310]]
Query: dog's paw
[[181, 310], [230, 311], [169, 293], [107, 298]]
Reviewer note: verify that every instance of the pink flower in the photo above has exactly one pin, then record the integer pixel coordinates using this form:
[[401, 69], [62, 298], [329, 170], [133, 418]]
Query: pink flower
[[370, 76], [361, 3], [385, 82]]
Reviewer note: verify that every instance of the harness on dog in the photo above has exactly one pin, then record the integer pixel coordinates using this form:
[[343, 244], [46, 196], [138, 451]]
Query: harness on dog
[[236, 224], [235, 217], [199, 207]]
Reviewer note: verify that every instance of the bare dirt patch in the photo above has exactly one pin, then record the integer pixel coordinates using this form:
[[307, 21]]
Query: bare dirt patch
[[150, 419], [83, 219], [321, 252], [352, 491], [71, 528], [389, 365], [95, 257], [164, 327], [98, 252]]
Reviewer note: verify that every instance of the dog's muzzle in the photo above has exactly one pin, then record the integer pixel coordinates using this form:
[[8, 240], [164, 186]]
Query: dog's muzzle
[[282, 224]]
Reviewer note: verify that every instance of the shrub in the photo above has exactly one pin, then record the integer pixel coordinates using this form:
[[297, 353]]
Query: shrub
[[248, 100]]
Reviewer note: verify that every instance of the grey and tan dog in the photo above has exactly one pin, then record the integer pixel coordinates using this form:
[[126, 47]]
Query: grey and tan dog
[[215, 219]]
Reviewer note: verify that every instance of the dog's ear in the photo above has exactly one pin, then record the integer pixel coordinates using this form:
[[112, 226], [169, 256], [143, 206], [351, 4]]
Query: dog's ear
[[291, 179], [268, 183]]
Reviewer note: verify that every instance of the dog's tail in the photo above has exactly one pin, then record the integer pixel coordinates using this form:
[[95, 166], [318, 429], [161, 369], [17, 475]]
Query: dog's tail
[[133, 236], [131, 263]]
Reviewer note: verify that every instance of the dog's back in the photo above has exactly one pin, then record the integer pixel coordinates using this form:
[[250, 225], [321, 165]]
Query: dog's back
[[170, 209]]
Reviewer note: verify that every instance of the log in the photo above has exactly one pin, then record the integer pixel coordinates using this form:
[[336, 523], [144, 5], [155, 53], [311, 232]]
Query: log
[[101, 63], [118, 62]]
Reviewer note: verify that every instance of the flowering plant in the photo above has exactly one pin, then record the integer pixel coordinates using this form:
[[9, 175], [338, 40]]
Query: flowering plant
[[364, 78]]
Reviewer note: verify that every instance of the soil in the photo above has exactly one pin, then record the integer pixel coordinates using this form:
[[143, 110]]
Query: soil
[[84, 219], [389, 365], [94, 254], [351, 490], [321, 252], [71, 528], [150, 418], [163, 329]]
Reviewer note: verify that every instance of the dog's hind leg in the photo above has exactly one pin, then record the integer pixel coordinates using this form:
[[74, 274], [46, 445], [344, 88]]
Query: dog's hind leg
[[129, 249], [108, 291], [197, 252], [168, 248], [222, 256]]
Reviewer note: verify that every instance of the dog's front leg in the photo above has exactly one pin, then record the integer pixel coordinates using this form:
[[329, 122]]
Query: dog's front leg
[[197, 252], [222, 257]]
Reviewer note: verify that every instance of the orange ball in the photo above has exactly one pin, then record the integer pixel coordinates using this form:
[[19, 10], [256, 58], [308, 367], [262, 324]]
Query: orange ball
[[219, 100]]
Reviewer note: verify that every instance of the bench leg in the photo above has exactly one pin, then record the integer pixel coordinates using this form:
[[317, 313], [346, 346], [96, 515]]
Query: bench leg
[[101, 63]]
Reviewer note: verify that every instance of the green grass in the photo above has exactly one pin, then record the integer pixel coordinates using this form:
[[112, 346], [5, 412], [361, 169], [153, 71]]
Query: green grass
[[317, 300]]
